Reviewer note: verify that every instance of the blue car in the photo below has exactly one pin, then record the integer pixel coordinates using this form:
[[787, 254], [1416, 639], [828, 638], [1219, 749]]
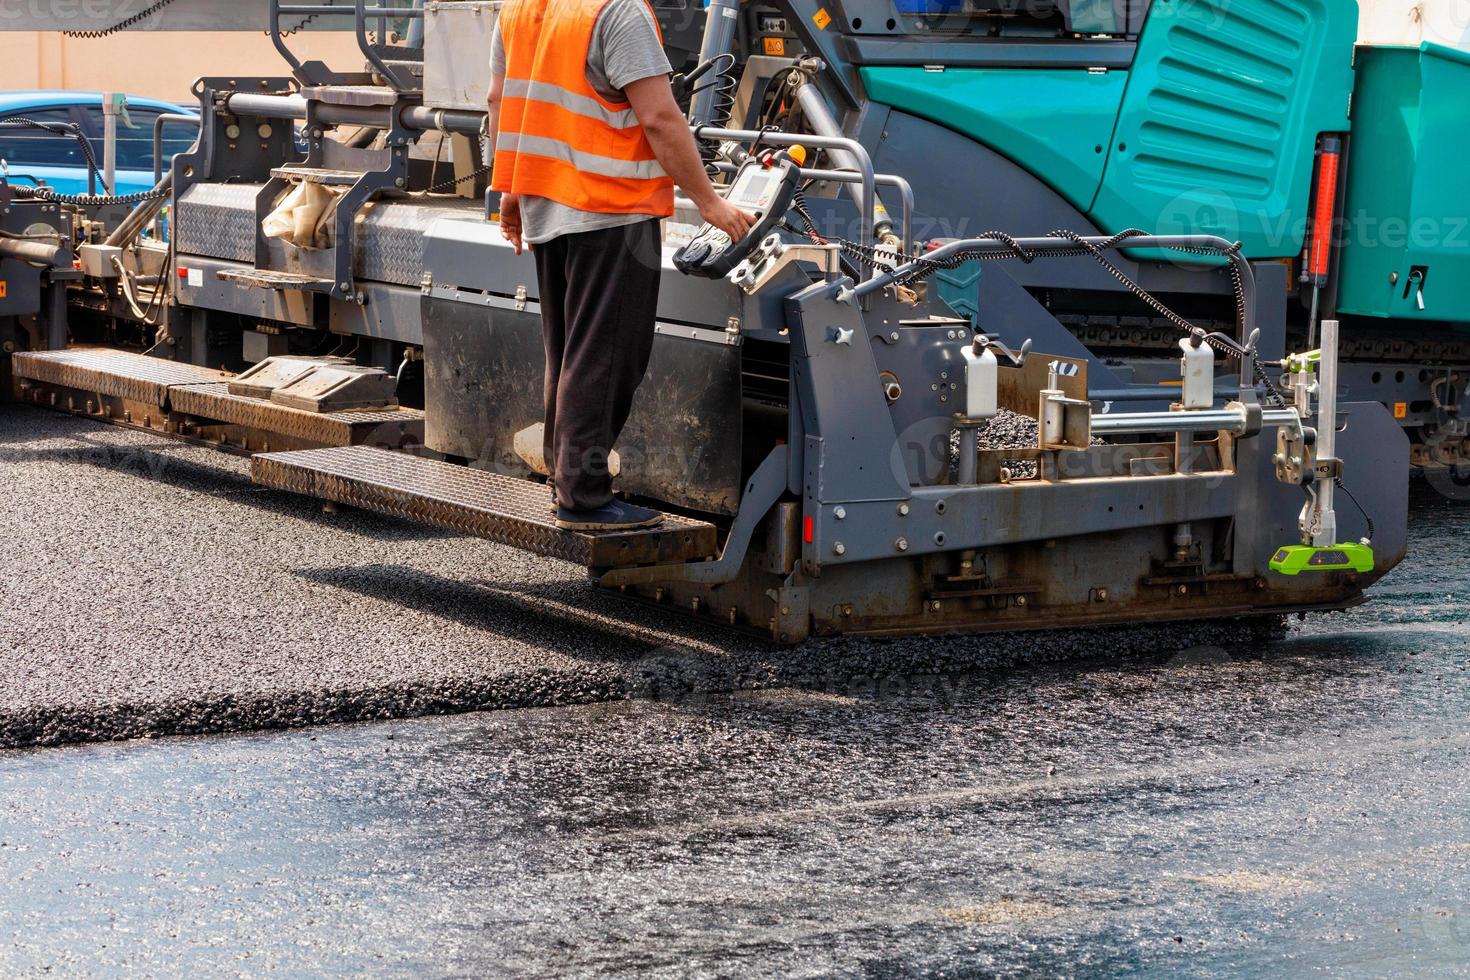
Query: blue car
[[57, 160]]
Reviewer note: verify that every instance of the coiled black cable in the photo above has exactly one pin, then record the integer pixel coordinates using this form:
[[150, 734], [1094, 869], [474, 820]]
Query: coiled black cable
[[90, 200], [880, 258], [62, 129]]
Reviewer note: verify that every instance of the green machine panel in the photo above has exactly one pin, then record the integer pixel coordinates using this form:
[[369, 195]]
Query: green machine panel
[[1055, 122], [1406, 254], [1218, 127]]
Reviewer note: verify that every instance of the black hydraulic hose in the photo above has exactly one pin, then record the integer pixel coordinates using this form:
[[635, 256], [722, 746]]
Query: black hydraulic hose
[[94, 174], [151, 203]]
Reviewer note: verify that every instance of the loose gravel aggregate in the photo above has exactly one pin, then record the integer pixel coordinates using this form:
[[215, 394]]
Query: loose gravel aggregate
[[151, 589]]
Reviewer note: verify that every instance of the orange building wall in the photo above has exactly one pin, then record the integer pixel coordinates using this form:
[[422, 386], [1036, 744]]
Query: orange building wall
[[162, 64]]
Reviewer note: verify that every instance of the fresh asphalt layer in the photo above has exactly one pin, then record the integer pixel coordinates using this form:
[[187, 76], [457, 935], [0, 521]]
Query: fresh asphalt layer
[[151, 589], [1290, 808], [1297, 809]]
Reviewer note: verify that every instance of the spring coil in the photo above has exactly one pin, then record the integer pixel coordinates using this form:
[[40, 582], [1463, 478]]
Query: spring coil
[[121, 25]]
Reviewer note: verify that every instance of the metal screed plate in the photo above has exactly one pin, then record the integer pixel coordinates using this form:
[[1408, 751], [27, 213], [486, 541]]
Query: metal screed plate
[[392, 427], [116, 373], [504, 509]]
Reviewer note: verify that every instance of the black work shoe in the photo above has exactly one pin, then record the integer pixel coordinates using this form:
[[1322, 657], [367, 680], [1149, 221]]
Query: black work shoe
[[615, 515]]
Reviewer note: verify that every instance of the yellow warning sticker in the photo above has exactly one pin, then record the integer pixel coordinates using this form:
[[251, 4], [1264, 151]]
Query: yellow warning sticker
[[774, 46], [821, 18], [1400, 410]]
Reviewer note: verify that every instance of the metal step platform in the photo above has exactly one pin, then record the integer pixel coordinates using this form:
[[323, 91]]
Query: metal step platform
[[379, 427], [504, 509], [190, 398], [115, 373], [316, 175], [271, 279]]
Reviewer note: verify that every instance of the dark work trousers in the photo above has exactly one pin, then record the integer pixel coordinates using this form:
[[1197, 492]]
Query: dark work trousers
[[599, 294]]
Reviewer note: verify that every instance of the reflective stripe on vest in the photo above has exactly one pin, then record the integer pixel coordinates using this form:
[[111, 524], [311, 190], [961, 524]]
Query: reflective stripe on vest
[[559, 138]]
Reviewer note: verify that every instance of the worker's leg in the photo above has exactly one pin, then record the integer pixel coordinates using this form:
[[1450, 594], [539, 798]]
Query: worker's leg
[[551, 280], [611, 299]]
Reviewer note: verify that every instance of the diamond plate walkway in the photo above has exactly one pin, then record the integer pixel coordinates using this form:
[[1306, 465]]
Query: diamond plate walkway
[[504, 509]]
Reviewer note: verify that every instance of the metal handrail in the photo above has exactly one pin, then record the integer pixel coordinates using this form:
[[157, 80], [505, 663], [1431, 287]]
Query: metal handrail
[[363, 12], [860, 152], [359, 12], [905, 190]]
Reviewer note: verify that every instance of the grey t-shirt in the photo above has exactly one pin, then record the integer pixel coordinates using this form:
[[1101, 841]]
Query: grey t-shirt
[[625, 47]]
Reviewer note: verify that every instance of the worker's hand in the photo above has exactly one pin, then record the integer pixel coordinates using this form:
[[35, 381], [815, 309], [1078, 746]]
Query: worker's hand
[[727, 217], [510, 220]]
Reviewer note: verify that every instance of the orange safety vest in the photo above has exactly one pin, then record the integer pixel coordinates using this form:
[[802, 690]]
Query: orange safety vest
[[558, 137]]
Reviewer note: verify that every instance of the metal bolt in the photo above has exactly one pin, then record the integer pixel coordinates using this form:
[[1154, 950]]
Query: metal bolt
[[232, 131], [839, 548], [1182, 590], [840, 513], [902, 544], [1020, 600], [1102, 595], [903, 510], [399, 181], [847, 610], [361, 298], [786, 610], [893, 336], [934, 606], [264, 130]]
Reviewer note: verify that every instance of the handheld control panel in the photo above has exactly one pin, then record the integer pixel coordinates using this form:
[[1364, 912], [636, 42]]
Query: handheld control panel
[[764, 187]]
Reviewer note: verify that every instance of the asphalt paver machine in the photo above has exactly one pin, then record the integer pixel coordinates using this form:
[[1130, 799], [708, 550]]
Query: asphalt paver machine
[[822, 418]]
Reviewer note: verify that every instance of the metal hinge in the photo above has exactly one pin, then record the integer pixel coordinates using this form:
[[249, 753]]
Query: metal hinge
[[521, 297]]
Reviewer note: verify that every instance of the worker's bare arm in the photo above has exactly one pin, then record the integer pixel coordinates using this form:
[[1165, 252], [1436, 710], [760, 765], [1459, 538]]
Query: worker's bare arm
[[653, 103], [510, 204]]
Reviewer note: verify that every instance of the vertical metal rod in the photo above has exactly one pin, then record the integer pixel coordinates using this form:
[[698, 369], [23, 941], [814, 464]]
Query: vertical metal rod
[[721, 16], [1312, 318], [1327, 425], [969, 454], [109, 141]]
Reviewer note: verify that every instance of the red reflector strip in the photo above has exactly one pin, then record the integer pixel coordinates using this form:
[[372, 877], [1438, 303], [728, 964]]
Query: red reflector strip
[[806, 529], [183, 273], [1322, 220]]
